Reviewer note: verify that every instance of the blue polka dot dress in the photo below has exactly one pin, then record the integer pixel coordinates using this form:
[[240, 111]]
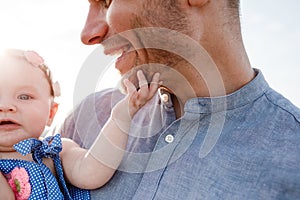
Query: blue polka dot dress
[[43, 184]]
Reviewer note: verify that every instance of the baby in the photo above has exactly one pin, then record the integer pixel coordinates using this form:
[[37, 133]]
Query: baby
[[55, 168]]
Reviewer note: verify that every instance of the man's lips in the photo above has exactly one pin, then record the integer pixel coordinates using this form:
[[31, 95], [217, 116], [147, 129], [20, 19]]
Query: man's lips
[[122, 56], [125, 56], [126, 62], [116, 50]]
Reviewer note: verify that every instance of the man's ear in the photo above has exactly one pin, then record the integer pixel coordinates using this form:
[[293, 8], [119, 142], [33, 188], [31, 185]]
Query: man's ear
[[53, 110], [197, 3]]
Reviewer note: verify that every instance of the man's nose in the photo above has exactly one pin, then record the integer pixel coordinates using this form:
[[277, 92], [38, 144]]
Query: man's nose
[[95, 28]]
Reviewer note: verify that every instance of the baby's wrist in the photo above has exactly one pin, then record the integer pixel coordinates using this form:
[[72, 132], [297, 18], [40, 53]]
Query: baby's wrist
[[121, 117]]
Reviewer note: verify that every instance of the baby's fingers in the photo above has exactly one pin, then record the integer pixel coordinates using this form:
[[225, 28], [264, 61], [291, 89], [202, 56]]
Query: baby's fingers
[[129, 87], [154, 84], [143, 84]]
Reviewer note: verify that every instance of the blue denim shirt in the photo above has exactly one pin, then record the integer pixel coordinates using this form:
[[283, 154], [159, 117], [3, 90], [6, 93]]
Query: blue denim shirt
[[245, 145]]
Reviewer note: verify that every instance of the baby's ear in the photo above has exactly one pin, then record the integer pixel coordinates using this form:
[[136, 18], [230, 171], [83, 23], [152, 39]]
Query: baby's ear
[[53, 110]]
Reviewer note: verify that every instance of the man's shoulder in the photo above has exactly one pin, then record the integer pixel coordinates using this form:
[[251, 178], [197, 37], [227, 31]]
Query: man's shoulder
[[283, 105], [89, 116], [109, 93], [106, 98]]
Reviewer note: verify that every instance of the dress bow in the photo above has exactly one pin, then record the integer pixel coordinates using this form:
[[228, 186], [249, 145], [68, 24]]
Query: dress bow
[[48, 147]]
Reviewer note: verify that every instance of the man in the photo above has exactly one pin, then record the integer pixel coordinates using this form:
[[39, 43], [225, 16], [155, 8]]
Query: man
[[216, 130]]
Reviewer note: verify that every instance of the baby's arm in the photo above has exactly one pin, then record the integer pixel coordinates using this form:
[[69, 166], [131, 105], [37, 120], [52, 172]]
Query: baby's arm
[[5, 190], [92, 169]]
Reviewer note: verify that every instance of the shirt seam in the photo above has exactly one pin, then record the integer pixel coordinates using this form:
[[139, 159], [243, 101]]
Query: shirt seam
[[281, 107]]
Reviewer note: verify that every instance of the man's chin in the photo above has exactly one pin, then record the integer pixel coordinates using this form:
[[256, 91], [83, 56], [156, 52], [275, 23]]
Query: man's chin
[[130, 75]]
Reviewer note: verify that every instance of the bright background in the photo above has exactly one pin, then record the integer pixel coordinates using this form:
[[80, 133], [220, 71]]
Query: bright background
[[271, 32]]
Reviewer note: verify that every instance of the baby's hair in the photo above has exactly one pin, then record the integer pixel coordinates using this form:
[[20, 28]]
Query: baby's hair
[[34, 59]]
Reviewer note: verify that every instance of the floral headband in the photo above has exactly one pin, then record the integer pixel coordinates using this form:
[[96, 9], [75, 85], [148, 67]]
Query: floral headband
[[36, 60]]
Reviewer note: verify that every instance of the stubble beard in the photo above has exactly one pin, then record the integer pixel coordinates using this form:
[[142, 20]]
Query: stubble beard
[[159, 14]]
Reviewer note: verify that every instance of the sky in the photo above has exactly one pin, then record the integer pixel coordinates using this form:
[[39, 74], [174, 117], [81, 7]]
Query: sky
[[271, 32]]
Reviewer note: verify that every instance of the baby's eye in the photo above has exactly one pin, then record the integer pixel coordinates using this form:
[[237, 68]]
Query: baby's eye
[[24, 97]]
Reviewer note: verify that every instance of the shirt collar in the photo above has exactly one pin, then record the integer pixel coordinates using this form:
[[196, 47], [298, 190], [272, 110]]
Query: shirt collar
[[245, 95]]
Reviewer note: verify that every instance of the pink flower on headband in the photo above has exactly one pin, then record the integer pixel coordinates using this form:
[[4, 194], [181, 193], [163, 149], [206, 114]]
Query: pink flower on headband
[[34, 58], [18, 179]]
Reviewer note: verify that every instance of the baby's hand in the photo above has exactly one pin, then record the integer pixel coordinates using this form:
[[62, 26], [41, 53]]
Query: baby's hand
[[139, 97]]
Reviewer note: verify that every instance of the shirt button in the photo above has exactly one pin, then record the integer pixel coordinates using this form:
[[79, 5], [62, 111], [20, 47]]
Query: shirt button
[[169, 138], [164, 98]]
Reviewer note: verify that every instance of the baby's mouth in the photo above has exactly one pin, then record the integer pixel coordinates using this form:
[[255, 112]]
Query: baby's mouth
[[8, 125], [6, 122]]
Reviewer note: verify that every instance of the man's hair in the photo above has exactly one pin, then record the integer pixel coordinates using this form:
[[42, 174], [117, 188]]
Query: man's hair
[[234, 11], [235, 4]]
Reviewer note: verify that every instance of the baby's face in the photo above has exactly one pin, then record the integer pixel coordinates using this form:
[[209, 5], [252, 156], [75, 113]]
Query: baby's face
[[25, 102]]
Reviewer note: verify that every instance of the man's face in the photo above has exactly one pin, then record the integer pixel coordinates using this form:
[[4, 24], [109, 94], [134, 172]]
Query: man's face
[[117, 24]]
